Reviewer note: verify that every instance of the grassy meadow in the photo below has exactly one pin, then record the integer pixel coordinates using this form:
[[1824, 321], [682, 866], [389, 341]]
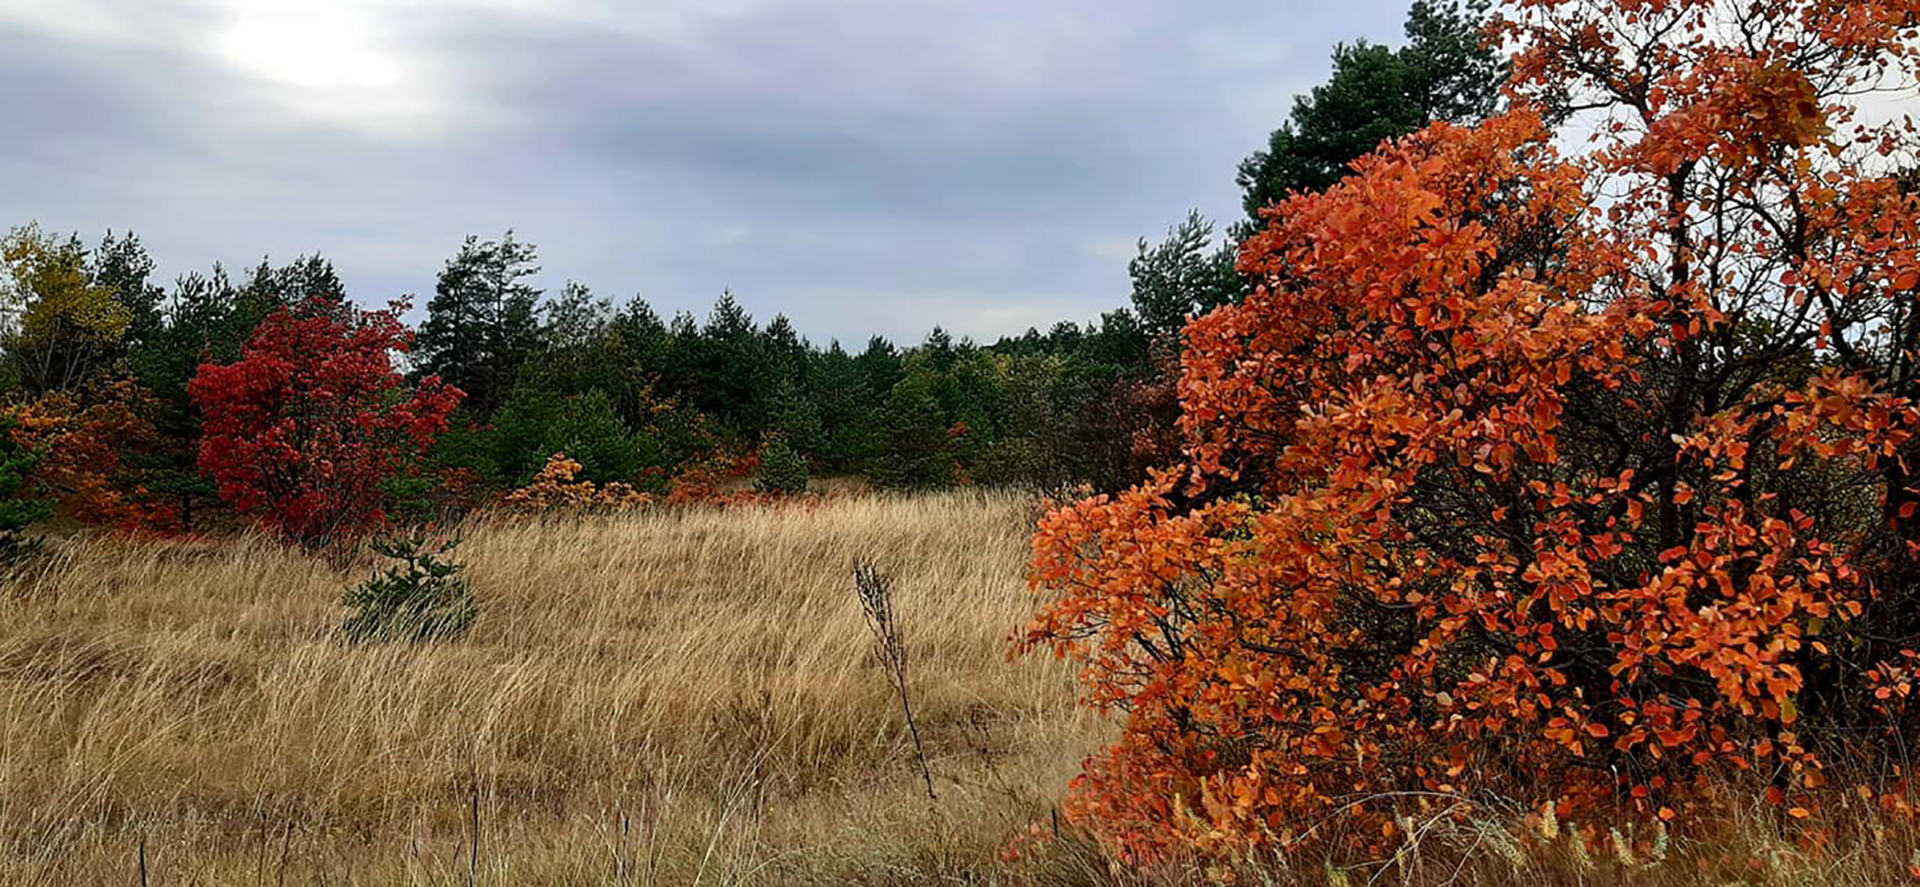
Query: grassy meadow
[[670, 697]]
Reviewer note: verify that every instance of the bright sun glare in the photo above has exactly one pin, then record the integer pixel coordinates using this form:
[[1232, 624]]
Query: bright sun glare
[[307, 44]]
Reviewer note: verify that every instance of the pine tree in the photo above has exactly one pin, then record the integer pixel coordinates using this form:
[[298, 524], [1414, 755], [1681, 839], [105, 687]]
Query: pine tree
[[1445, 72], [917, 455], [728, 373], [879, 365], [794, 418], [1185, 275], [848, 410], [783, 470], [422, 597], [481, 323], [122, 266]]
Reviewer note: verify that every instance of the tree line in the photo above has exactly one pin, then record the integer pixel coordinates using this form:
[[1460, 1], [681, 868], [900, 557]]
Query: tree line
[[100, 360]]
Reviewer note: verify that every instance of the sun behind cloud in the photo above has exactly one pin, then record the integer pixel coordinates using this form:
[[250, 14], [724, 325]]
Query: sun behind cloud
[[309, 45]]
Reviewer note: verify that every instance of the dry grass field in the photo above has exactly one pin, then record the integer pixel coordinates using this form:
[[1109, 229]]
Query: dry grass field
[[669, 698], [658, 698]]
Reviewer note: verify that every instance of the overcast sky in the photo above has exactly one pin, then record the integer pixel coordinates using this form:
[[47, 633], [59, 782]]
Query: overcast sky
[[861, 165]]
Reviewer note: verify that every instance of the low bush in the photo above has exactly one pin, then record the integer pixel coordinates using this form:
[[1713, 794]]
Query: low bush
[[783, 471], [17, 514], [422, 597]]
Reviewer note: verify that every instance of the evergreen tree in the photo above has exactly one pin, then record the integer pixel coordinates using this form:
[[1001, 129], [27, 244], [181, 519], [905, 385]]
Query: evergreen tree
[[307, 279], [199, 323], [1445, 72], [783, 470], [727, 372], [879, 365], [642, 337], [1121, 340], [642, 334], [1024, 447], [794, 418], [684, 326], [917, 453], [536, 424], [480, 323], [728, 322], [575, 320], [19, 509], [1184, 276], [420, 596], [1452, 74], [939, 350], [786, 350], [636, 349], [577, 352], [122, 266], [848, 411]]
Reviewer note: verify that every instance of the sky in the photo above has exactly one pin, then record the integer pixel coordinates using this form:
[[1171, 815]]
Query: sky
[[863, 166]]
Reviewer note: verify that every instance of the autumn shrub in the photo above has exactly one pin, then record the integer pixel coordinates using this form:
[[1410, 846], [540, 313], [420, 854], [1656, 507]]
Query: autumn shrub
[[93, 444], [558, 488], [1534, 478], [420, 597], [306, 429]]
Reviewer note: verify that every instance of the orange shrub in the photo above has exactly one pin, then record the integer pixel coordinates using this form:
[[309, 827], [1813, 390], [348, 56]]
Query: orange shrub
[[555, 488], [87, 439], [1534, 478]]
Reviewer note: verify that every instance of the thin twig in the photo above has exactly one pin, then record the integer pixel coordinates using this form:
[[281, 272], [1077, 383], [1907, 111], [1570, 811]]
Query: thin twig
[[473, 847], [876, 604]]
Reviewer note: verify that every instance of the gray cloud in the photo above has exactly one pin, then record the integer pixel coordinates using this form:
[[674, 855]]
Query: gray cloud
[[861, 165]]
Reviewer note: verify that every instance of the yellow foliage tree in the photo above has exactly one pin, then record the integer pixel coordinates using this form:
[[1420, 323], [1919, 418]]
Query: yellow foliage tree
[[61, 328]]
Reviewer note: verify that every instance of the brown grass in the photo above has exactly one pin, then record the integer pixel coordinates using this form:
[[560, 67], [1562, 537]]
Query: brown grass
[[664, 697], [656, 698]]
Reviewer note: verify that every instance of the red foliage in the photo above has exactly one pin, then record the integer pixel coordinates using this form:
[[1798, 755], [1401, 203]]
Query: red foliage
[[1583, 480], [304, 429], [719, 479], [1148, 411]]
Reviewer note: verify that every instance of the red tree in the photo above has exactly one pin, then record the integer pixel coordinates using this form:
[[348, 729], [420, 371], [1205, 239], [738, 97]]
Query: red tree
[[1532, 477], [304, 429]]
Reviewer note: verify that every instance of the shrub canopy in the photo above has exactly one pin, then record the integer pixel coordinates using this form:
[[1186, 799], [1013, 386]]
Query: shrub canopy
[[1581, 479]]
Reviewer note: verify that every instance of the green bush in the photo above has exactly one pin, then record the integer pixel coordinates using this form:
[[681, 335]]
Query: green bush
[[919, 452], [467, 445], [17, 514], [782, 469], [423, 597], [536, 424]]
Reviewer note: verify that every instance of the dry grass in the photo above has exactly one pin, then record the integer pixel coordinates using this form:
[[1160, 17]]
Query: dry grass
[[659, 698]]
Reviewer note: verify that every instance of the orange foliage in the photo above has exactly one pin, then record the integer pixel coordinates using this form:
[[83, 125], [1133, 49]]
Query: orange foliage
[[720, 480], [86, 440], [555, 488], [711, 483], [1573, 479]]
